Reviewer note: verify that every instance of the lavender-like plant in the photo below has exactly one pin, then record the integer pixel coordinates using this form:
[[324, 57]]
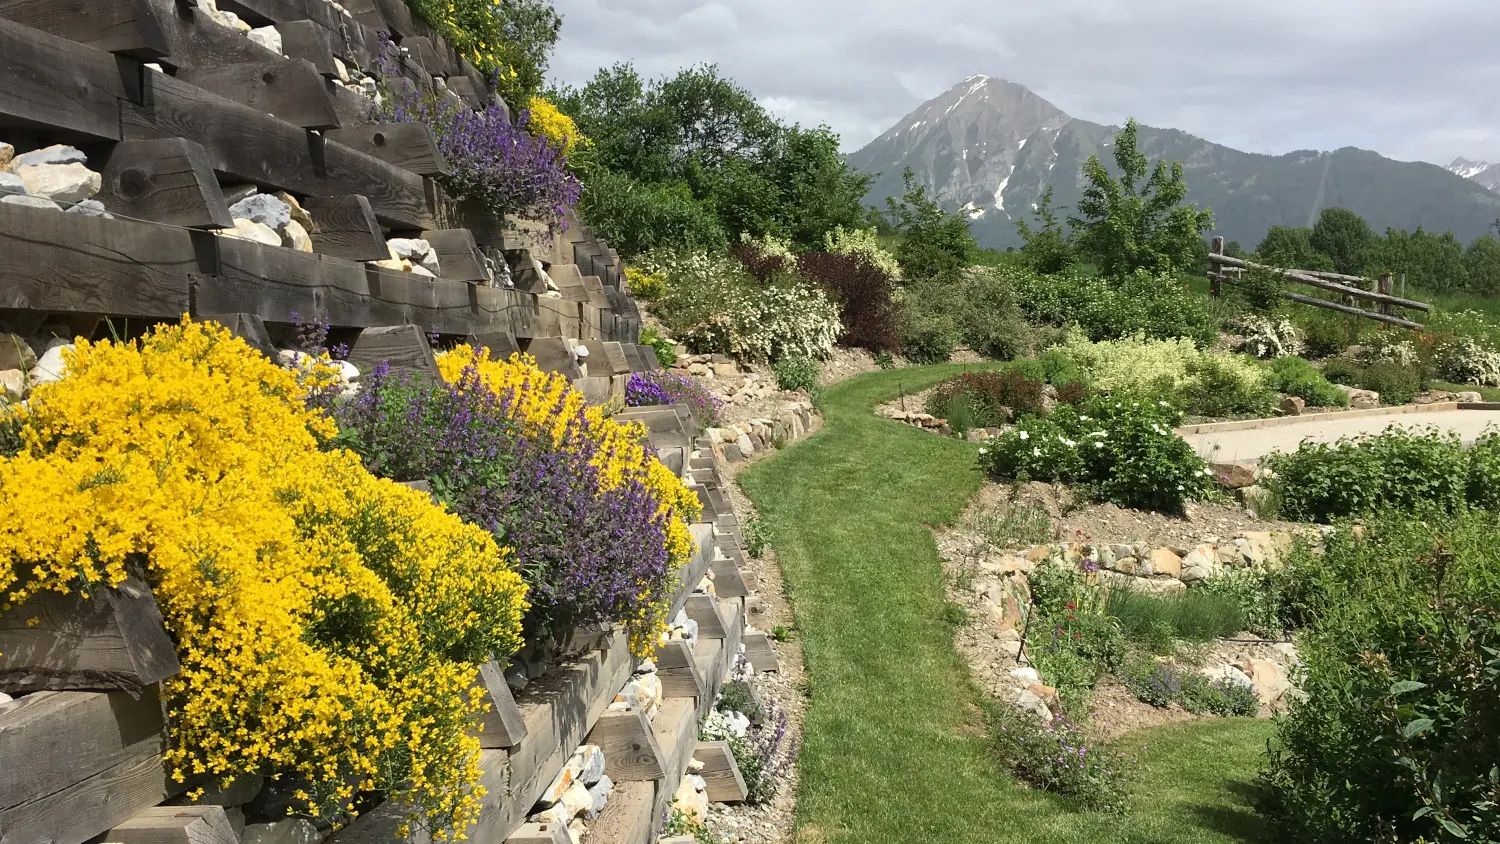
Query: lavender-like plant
[[663, 387]]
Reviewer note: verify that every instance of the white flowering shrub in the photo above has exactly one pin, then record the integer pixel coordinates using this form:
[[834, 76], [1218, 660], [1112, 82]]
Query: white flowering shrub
[[1204, 382], [1462, 360], [862, 243], [1385, 349], [1267, 338], [712, 304]]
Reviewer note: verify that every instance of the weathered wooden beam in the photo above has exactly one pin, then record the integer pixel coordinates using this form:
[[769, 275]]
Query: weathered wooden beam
[[80, 264], [1351, 310], [423, 53], [345, 227], [91, 805], [543, 833], [678, 671], [720, 773], [248, 145], [473, 95], [627, 817], [403, 347], [311, 42], [759, 651], [458, 254], [125, 27], [264, 12], [175, 825], [247, 327], [195, 40], [501, 344], [111, 640], [290, 89], [704, 609], [50, 741], [164, 181], [630, 751], [729, 582], [1311, 280], [407, 145], [501, 725], [676, 728], [55, 85]]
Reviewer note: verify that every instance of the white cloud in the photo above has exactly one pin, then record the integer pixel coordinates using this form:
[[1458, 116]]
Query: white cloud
[[1411, 80]]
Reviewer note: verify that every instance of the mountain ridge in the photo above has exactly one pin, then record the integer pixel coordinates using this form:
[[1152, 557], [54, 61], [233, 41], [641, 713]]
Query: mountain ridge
[[990, 147]]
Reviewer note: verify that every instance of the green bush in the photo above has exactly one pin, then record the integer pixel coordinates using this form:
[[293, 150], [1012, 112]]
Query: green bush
[[1397, 734], [1153, 306], [1327, 333], [1193, 616], [1395, 382], [975, 308], [1257, 593], [1156, 683], [665, 350], [1222, 696], [1060, 757], [1216, 386], [1204, 383], [1484, 472], [1397, 468], [1296, 377], [1343, 371], [986, 398], [796, 374]]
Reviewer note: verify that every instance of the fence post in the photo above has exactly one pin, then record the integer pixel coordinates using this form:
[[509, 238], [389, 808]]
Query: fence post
[[1388, 288], [1215, 270]]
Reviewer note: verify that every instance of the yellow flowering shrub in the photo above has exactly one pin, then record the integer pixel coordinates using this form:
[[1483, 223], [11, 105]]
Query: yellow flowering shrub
[[552, 124], [546, 404], [328, 622]]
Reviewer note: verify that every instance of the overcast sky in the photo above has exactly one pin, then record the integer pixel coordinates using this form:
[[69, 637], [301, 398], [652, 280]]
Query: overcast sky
[[1412, 79]]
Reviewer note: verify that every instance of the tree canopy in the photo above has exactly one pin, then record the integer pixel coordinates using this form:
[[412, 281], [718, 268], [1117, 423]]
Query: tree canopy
[[932, 242]]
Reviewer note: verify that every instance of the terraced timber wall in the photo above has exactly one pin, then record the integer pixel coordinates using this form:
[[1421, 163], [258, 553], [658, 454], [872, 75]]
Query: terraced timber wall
[[184, 110]]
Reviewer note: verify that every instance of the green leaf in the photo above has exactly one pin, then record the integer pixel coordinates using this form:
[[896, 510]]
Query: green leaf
[[1454, 829], [1405, 686], [1421, 725]]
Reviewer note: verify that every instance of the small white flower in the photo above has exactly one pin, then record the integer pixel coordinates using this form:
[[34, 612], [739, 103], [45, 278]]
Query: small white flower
[[984, 451], [1067, 442], [1098, 444], [1162, 403], [1083, 419], [1179, 487], [1099, 434], [1036, 452], [1025, 436], [1207, 471]]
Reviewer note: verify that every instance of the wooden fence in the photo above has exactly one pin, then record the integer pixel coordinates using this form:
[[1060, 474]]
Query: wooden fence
[[1224, 269]]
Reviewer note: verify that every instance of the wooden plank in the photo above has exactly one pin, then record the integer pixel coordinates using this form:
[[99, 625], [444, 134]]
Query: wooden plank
[[345, 227], [425, 54], [247, 327], [500, 344], [247, 145], [167, 181], [112, 640], [79, 264], [64, 737], [554, 354], [289, 89], [403, 347], [196, 40], [1311, 280], [125, 27], [91, 805], [630, 751], [467, 90], [678, 671], [541, 833], [458, 254], [263, 12], [175, 825], [676, 728], [720, 773], [704, 610], [728, 581], [311, 42], [759, 651], [406, 145], [501, 725], [381, 824], [57, 86], [627, 817]]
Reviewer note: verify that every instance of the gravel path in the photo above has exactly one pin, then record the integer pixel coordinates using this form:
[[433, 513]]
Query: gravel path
[[1252, 444]]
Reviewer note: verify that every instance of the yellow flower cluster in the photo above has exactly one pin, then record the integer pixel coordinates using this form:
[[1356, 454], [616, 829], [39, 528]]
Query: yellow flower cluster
[[328, 622], [552, 124], [546, 403]]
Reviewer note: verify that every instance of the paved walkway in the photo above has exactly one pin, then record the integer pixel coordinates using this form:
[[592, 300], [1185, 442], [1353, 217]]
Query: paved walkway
[[1254, 443]]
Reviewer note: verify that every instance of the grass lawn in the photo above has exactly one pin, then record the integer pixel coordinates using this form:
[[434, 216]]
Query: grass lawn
[[895, 745]]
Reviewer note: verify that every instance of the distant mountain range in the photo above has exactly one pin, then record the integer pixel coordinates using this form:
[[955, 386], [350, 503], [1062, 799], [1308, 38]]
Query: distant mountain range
[[1483, 172], [991, 147]]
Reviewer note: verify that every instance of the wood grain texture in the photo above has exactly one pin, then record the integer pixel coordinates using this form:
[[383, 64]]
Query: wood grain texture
[[720, 773], [196, 40], [502, 725], [113, 640], [678, 670], [175, 825], [629, 746], [126, 27], [169, 180], [540, 833], [406, 145], [345, 227], [91, 805], [73, 263], [501, 344], [704, 609], [676, 728], [759, 651], [729, 582], [627, 817], [404, 348], [458, 254], [311, 42], [289, 89], [55, 85]]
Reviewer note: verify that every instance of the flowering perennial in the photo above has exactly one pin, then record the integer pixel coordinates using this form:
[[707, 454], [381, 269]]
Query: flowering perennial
[[661, 386], [328, 623]]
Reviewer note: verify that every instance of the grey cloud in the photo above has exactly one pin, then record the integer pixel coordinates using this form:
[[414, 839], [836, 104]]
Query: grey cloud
[[1411, 80]]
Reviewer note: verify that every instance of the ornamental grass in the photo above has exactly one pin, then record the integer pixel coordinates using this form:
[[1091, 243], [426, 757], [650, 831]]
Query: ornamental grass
[[328, 622]]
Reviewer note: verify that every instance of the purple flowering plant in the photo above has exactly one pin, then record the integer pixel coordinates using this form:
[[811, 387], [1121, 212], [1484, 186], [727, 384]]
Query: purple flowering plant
[[587, 553], [664, 387], [1058, 756]]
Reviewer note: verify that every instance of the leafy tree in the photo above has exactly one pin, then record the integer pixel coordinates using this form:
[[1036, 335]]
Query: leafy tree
[[1135, 222], [1291, 248], [1234, 250], [1429, 261], [1046, 249], [932, 243], [1482, 265], [1346, 238]]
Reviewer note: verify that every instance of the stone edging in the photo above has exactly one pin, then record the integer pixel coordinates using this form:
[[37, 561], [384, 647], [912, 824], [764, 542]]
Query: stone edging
[[1276, 421]]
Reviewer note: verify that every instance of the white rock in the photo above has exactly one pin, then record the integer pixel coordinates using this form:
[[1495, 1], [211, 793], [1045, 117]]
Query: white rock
[[590, 763], [1026, 675], [156, 66], [30, 202], [55, 154], [577, 800], [341, 69], [90, 208], [600, 792], [12, 384], [556, 813], [10, 184], [64, 183], [1230, 673], [50, 366], [408, 247], [5, 698], [251, 230], [7, 154], [1031, 702], [418, 269], [294, 236], [431, 262], [264, 209], [690, 801], [268, 37], [347, 371], [576, 830]]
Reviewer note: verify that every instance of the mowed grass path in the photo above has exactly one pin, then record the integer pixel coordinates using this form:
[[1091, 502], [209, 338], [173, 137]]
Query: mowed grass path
[[895, 746]]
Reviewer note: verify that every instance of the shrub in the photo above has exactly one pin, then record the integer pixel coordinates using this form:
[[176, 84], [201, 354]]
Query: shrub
[[1397, 733], [553, 125], [507, 42], [713, 305], [1296, 377], [329, 623], [663, 387], [1396, 468], [637, 217], [1126, 450], [1193, 616], [989, 398], [1267, 337], [862, 243], [1221, 696], [1327, 333], [975, 307], [1220, 385], [494, 162], [1462, 360], [664, 349], [647, 287], [1257, 594], [1395, 382], [1343, 371], [796, 374], [1152, 306], [1057, 756], [1206, 383], [1156, 683], [868, 309], [1484, 472]]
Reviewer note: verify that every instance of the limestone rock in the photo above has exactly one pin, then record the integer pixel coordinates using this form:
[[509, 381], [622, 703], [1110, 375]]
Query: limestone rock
[[1200, 564], [690, 801], [1149, 585], [55, 154], [268, 37], [600, 792], [30, 202], [1230, 674], [12, 384], [64, 183], [590, 763], [1468, 396], [11, 185], [90, 208], [1360, 399], [408, 247], [341, 69], [1233, 475], [294, 236], [264, 209], [7, 155], [1026, 675], [1292, 406], [50, 367], [1033, 703], [1269, 678], [400, 265], [559, 786], [299, 214], [418, 269], [1164, 562], [289, 831], [577, 799], [745, 445], [15, 353], [251, 230], [725, 370]]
